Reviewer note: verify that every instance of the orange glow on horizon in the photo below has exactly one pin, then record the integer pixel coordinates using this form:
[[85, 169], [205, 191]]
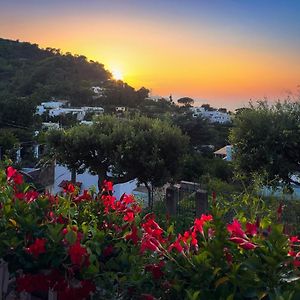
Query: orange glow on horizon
[[171, 62]]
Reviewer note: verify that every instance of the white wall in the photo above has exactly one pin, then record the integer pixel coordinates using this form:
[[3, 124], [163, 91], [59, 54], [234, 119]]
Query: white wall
[[88, 180]]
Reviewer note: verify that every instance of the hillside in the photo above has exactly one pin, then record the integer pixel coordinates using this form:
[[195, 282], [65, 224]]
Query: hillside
[[40, 74]]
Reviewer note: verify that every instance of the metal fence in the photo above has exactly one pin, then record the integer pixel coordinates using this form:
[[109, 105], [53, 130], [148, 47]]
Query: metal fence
[[186, 199]]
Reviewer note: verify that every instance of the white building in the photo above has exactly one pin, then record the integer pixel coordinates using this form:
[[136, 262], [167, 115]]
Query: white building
[[88, 180], [93, 109], [53, 104], [99, 91], [120, 109], [214, 116], [84, 122], [78, 112], [55, 108], [50, 125], [45, 106]]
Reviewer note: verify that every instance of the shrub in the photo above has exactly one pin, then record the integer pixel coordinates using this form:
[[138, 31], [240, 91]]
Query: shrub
[[79, 245]]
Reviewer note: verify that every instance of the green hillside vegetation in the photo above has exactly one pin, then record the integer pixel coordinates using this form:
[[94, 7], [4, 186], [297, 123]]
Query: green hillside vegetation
[[41, 74]]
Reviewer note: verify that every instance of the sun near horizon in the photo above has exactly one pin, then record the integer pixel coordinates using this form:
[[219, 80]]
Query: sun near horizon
[[117, 74]]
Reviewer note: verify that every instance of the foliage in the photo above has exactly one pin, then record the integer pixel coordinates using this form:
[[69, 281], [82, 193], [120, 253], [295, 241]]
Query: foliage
[[7, 141], [16, 112], [146, 149], [41, 74], [81, 244], [157, 108], [186, 101], [198, 168], [266, 140], [154, 152], [92, 147], [201, 132]]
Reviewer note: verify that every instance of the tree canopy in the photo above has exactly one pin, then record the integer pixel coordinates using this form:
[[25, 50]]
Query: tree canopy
[[266, 139], [150, 150], [186, 101]]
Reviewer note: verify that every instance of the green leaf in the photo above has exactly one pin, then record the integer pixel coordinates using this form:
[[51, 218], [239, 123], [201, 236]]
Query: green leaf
[[71, 237], [170, 230], [221, 281], [191, 295]]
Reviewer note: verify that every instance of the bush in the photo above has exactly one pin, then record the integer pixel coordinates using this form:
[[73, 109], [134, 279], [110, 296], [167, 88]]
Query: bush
[[79, 245]]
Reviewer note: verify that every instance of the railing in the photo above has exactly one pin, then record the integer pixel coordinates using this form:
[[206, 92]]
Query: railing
[[186, 198]]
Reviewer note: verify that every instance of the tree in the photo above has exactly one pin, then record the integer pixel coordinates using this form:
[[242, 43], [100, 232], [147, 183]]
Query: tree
[[92, 148], [153, 153], [67, 147], [198, 129], [186, 101], [16, 112], [143, 148], [266, 139], [7, 141]]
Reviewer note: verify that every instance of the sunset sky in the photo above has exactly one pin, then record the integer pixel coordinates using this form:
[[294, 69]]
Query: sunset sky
[[222, 52]]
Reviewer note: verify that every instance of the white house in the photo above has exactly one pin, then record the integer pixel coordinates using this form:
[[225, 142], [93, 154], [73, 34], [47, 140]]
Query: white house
[[84, 122], [120, 109], [214, 116], [99, 91], [45, 106], [50, 125], [53, 104], [93, 109], [79, 112]]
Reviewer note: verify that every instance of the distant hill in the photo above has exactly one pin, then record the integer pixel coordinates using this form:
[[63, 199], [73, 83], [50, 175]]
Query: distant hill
[[27, 71]]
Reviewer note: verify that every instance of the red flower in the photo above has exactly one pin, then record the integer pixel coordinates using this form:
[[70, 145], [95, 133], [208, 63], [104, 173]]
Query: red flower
[[237, 240], [31, 196], [239, 237], [199, 223], [190, 237], [292, 253], [177, 244], [236, 229], [149, 243], [13, 175], [133, 236], [20, 195], [129, 217], [243, 243], [78, 254], [248, 245], [109, 202], [107, 186], [296, 263], [294, 239], [37, 248], [127, 199], [136, 208], [70, 188], [153, 229], [84, 197], [251, 229], [155, 269]]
